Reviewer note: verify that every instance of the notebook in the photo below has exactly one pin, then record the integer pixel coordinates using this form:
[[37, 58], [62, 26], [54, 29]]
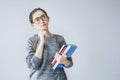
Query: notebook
[[68, 49]]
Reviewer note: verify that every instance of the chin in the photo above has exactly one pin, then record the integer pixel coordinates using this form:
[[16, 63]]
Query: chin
[[44, 29]]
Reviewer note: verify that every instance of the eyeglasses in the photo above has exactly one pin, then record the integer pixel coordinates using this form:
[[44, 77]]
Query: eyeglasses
[[38, 19]]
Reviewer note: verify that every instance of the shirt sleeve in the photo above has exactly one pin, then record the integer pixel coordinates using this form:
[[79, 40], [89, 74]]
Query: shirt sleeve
[[32, 61], [70, 58]]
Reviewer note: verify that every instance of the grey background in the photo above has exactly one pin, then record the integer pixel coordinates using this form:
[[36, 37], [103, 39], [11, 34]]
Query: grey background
[[94, 25]]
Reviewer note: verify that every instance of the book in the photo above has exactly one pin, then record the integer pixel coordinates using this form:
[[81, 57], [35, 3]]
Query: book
[[68, 49]]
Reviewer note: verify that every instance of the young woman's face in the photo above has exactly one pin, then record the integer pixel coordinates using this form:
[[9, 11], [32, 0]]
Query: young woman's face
[[40, 20]]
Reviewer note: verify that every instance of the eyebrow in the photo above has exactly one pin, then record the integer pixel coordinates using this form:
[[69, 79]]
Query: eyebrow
[[41, 16]]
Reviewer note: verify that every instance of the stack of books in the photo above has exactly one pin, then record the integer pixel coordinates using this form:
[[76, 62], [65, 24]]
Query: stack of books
[[68, 49]]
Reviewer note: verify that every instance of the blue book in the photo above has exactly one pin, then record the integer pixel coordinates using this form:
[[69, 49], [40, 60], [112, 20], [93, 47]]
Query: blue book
[[66, 48]]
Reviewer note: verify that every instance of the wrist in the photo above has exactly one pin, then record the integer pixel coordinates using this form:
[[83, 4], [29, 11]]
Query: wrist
[[42, 41], [66, 62]]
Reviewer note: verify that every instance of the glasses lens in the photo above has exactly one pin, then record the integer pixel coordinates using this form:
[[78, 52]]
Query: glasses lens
[[38, 19]]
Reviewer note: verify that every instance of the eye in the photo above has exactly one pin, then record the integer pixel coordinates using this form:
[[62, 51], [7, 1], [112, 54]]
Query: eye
[[43, 16], [37, 19]]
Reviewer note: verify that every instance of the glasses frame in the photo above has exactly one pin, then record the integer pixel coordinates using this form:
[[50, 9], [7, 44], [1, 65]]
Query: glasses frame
[[40, 18]]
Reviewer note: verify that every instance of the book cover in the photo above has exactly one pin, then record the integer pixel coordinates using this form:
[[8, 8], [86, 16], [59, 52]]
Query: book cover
[[66, 48]]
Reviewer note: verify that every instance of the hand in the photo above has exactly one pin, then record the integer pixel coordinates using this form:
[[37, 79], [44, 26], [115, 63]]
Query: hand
[[42, 36], [61, 58]]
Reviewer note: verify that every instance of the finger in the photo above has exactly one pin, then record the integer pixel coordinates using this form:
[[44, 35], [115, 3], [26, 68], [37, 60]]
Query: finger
[[57, 58], [60, 56], [56, 54], [64, 55]]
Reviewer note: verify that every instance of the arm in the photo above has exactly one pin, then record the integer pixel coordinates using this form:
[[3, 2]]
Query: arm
[[67, 62], [34, 59], [40, 50]]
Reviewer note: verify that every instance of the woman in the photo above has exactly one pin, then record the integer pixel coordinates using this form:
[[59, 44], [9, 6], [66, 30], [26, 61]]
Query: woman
[[39, 59]]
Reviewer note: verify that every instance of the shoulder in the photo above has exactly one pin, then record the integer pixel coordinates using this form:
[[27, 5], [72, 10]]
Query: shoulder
[[30, 40], [59, 36]]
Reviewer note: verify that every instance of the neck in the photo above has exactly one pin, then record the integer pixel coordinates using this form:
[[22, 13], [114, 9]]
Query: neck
[[47, 34]]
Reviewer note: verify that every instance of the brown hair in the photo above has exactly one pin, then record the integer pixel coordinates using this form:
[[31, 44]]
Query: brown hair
[[33, 11]]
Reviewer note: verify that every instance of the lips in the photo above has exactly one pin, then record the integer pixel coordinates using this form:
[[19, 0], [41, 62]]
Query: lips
[[43, 26]]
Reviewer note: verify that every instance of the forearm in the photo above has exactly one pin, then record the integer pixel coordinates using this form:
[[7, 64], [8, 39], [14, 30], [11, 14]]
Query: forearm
[[39, 51], [33, 61], [62, 59], [66, 62], [70, 64]]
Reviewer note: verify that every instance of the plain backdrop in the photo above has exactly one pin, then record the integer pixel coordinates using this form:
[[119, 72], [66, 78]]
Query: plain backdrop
[[93, 25]]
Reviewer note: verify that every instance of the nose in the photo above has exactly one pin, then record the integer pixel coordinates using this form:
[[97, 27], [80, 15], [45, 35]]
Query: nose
[[41, 20]]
